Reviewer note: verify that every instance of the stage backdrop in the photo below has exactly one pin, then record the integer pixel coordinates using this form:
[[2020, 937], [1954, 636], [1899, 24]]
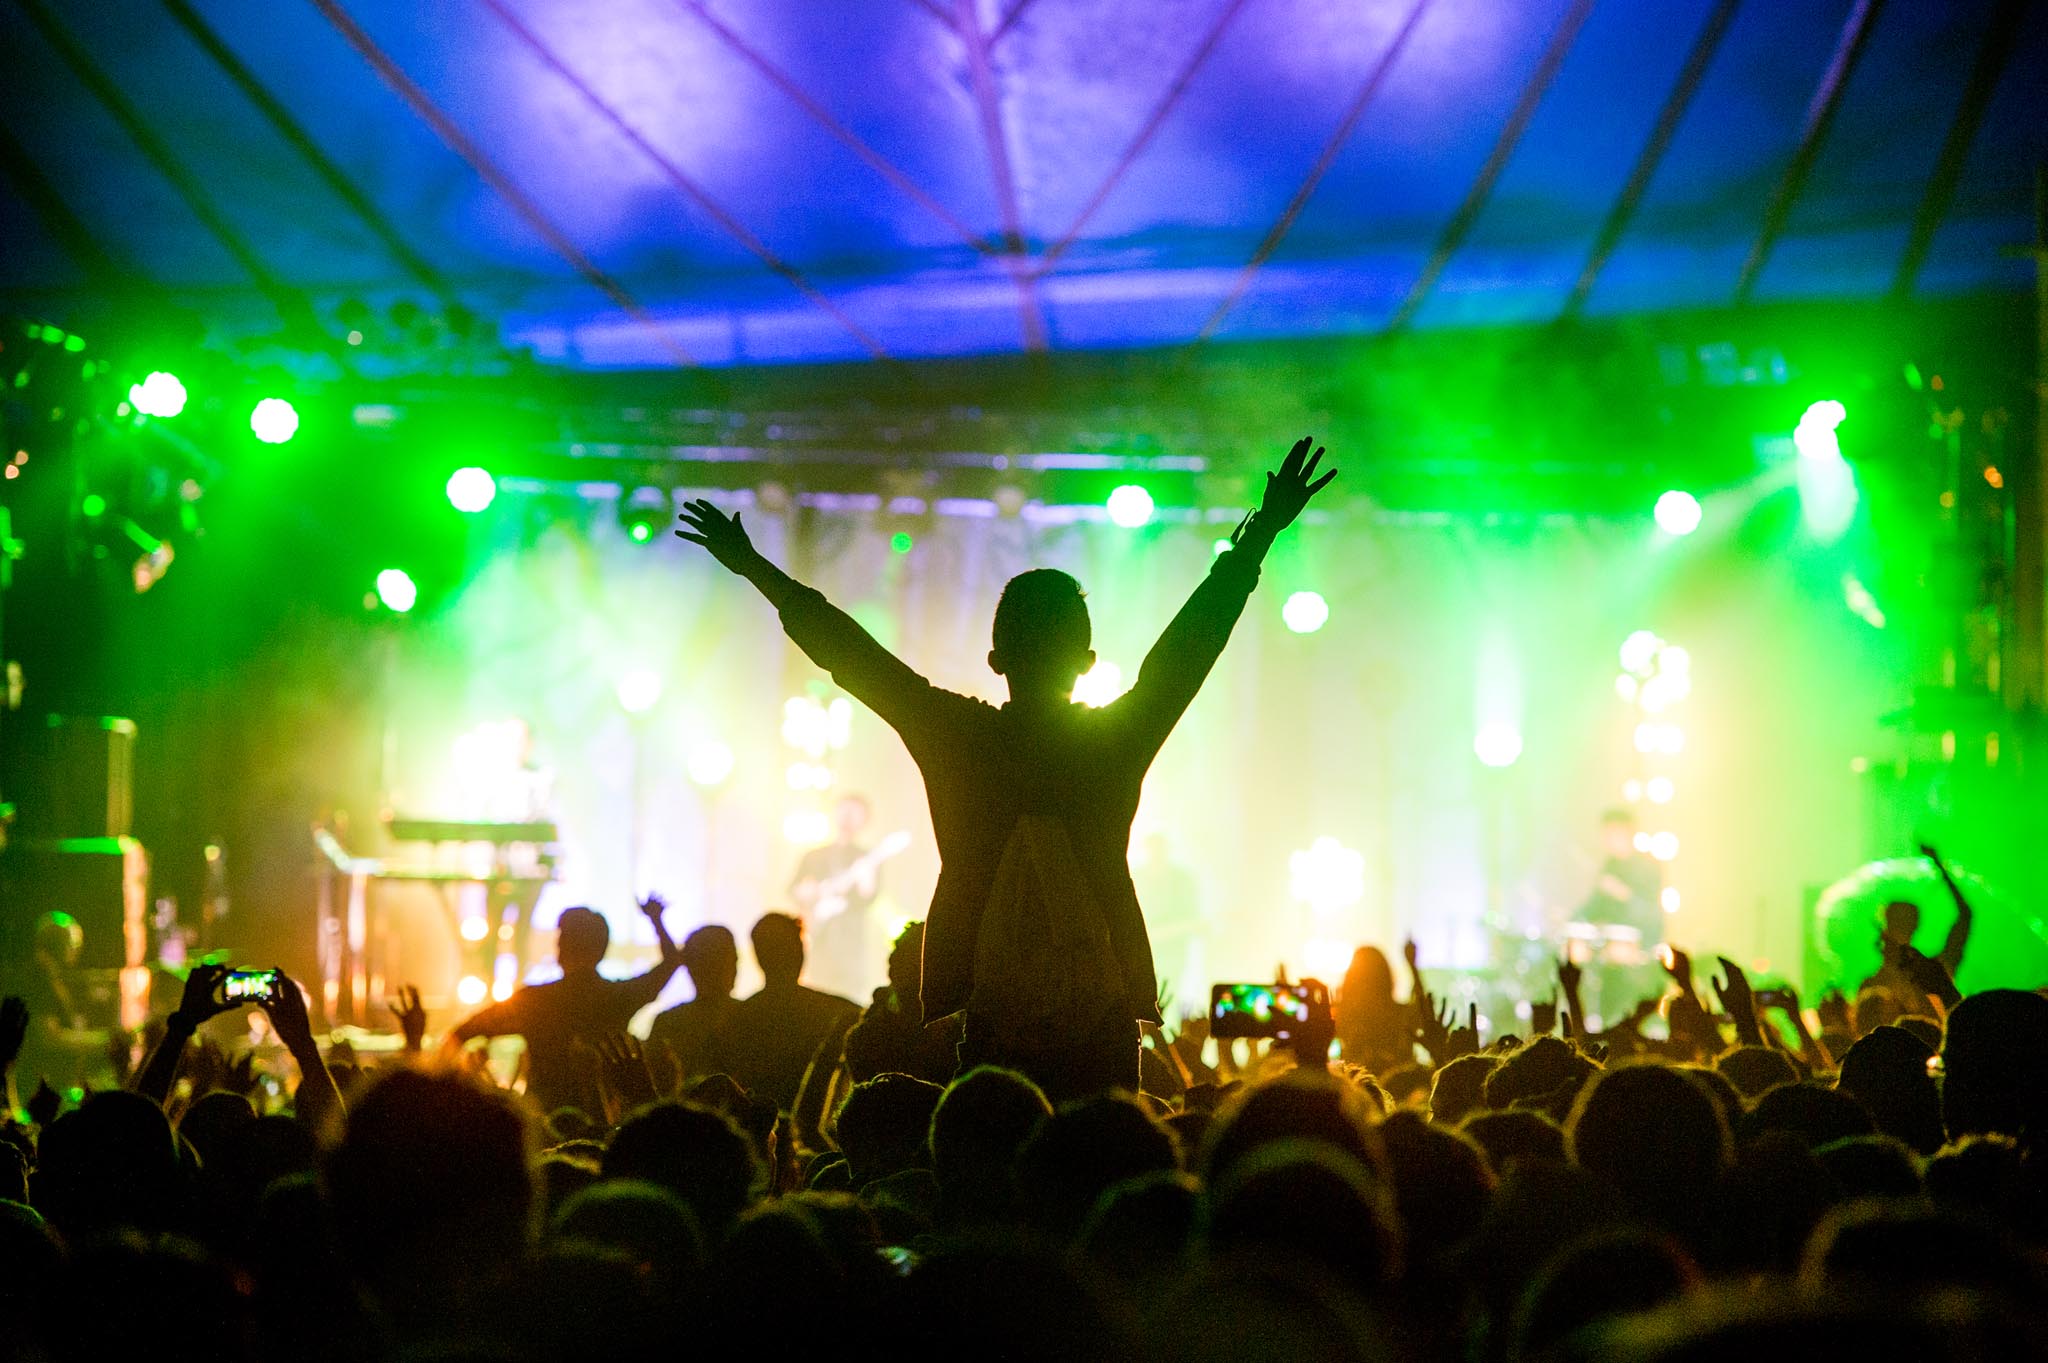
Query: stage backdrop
[[1323, 791]]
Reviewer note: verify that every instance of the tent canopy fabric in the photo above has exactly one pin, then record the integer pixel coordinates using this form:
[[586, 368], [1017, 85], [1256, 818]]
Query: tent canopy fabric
[[658, 182]]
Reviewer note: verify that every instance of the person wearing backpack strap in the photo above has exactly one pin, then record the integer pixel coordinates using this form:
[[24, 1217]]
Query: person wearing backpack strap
[[1035, 930]]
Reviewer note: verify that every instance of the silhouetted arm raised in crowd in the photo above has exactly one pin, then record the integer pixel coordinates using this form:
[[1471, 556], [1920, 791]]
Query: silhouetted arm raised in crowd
[[644, 989], [1180, 661], [829, 636], [317, 1099], [199, 1003], [1958, 939]]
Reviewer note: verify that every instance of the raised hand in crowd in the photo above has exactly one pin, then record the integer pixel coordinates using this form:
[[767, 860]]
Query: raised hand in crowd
[[1738, 1001], [1571, 977], [317, 1099], [725, 536], [622, 1075], [1543, 1016], [199, 1004], [412, 1017]]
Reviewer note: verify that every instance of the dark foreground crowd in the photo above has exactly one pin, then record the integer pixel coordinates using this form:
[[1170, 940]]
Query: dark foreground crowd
[[1745, 1186]]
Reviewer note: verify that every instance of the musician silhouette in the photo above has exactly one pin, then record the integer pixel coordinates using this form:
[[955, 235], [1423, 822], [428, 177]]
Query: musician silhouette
[[835, 885], [1035, 929]]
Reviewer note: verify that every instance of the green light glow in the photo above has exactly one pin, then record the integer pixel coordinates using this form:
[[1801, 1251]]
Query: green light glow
[[1305, 612], [1678, 512], [92, 505], [901, 542]]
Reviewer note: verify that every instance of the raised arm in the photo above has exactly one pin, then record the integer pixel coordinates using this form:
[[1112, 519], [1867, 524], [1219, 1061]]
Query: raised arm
[[1180, 661], [829, 636], [642, 990], [1958, 938]]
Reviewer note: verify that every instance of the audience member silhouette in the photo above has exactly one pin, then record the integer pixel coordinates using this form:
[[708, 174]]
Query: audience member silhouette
[[773, 1034], [695, 1031], [1032, 802], [562, 1018]]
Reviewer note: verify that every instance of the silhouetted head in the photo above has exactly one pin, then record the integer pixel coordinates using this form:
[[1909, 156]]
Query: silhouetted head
[[884, 1126], [979, 1125], [1544, 1066], [1887, 1072], [1756, 1070], [1460, 1087], [779, 948], [1517, 1135], [1614, 1273], [906, 963], [111, 1162], [1041, 639], [1991, 1055], [713, 959], [1901, 920], [582, 938], [1653, 1134], [1308, 1204], [699, 1155], [1369, 982], [1084, 1150], [1300, 1105]]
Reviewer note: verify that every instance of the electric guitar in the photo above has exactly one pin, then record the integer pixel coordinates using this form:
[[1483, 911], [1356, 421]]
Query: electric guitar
[[834, 894]]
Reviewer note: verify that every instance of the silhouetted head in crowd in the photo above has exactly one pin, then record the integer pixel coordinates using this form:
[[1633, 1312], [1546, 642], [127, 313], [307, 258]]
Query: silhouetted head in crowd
[[59, 939], [1992, 1177], [1442, 1185], [779, 949], [1898, 923], [1656, 1136], [113, 1161], [647, 1223], [431, 1187], [1887, 1072], [994, 1299], [581, 940], [1083, 1150], [1537, 1070], [1755, 1070], [1143, 1228], [906, 964], [884, 1126], [1368, 982], [1995, 1075], [1307, 1203], [1042, 636], [713, 959], [1614, 1273], [699, 1155], [1906, 1248], [1460, 1088], [1311, 1105], [1505, 1137], [981, 1122], [1871, 1166], [1812, 1112]]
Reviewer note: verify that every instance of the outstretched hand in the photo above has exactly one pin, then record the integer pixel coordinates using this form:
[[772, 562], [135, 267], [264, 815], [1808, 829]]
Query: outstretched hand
[[201, 1000], [412, 1017], [1290, 486], [723, 535]]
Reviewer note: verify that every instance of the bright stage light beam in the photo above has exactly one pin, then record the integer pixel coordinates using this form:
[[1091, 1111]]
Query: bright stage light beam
[[471, 490], [1497, 744], [160, 394], [1678, 512], [1305, 612], [1130, 506], [709, 763], [274, 421], [470, 992], [397, 590], [1827, 485]]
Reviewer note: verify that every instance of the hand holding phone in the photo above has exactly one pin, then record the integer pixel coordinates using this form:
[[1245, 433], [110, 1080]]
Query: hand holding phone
[[259, 987]]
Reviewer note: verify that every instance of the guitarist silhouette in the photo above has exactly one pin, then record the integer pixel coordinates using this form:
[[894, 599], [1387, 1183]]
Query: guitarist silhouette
[[834, 887]]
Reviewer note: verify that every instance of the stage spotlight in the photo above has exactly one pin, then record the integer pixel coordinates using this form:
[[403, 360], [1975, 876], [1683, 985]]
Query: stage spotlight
[[471, 489], [1305, 612], [1678, 512], [643, 513], [709, 763], [1497, 744], [1827, 485], [397, 590], [1660, 790], [1130, 506], [158, 395], [1100, 684], [1815, 437], [1669, 898], [1626, 687], [470, 992], [1220, 548], [92, 506], [901, 542], [807, 827], [274, 421], [639, 690], [1664, 846]]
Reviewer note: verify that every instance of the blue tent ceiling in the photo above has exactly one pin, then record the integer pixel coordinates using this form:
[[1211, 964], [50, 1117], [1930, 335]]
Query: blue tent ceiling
[[645, 182]]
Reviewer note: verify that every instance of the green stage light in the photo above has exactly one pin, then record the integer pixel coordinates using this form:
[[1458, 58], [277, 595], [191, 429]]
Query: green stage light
[[92, 506], [396, 589], [274, 421], [1305, 612], [1497, 744], [161, 394], [1130, 506], [74, 344], [901, 542], [1220, 548], [1827, 485], [1678, 512], [471, 490], [643, 512]]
